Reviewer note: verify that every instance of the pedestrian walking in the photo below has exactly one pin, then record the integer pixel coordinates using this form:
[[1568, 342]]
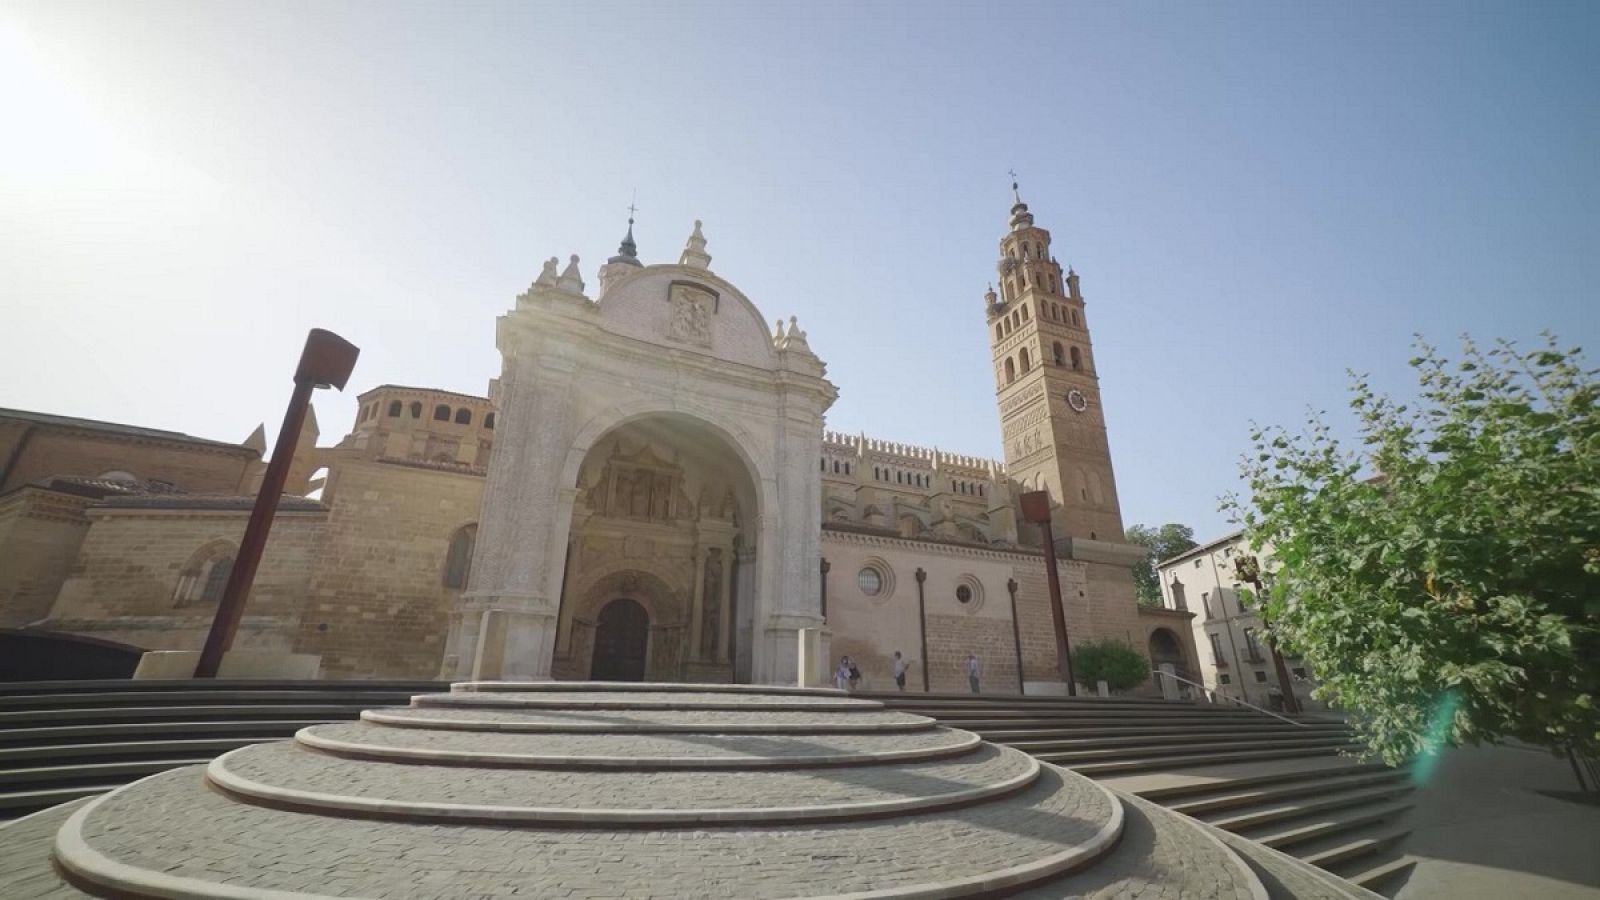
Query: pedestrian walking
[[855, 675], [841, 675], [973, 671], [899, 671]]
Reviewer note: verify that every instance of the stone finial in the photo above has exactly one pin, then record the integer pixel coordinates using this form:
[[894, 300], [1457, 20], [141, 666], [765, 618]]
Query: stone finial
[[571, 280], [257, 440], [694, 251], [777, 335], [795, 339]]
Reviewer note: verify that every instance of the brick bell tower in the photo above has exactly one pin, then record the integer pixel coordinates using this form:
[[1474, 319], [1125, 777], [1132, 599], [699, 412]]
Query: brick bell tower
[[1054, 426]]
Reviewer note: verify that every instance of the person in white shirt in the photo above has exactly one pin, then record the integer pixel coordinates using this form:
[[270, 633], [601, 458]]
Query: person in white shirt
[[841, 675], [972, 671], [899, 671]]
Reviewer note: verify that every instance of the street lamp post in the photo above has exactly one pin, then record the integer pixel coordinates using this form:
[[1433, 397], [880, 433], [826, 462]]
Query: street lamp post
[[326, 361], [1036, 509]]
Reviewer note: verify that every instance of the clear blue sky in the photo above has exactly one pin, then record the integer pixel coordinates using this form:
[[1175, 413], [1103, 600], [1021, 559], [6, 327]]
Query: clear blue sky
[[1257, 196]]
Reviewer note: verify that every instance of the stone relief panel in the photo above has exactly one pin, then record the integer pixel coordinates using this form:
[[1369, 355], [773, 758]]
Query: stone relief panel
[[692, 309]]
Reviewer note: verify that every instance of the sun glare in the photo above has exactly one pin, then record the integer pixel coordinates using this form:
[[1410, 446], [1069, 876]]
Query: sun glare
[[54, 134]]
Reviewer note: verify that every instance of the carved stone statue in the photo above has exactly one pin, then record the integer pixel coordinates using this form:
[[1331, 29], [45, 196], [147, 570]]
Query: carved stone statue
[[547, 278]]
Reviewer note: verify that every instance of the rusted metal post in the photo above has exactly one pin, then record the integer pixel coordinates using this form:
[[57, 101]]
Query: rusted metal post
[[922, 626], [1016, 634], [327, 360], [1036, 509]]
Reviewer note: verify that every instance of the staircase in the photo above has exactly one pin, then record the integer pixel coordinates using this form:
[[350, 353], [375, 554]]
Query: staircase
[[62, 740], [1282, 783]]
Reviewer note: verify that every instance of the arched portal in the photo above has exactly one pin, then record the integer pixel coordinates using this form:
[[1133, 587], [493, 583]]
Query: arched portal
[[621, 642], [1166, 648]]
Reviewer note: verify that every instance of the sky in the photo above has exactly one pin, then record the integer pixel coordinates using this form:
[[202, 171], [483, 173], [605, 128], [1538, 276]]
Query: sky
[[1258, 197]]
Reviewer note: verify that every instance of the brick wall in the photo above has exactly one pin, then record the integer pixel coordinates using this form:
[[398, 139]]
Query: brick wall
[[49, 450], [40, 533], [377, 605]]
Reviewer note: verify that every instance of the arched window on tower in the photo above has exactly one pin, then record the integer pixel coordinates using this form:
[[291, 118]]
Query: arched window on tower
[[441, 413], [1025, 314], [488, 421], [999, 331], [1052, 284], [1075, 318], [416, 410], [1060, 355], [463, 416], [203, 578], [1077, 360], [1022, 357], [458, 559], [1011, 371], [394, 409]]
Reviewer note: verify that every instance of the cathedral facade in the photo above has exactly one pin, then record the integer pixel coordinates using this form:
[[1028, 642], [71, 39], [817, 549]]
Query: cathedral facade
[[647, 492]]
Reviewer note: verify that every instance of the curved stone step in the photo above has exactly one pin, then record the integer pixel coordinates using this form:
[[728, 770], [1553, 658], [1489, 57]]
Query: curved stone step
[[613, 687], [295, 778], [1161, 854], [646, 699], [366, 740], [651, 721], [220, 847], [25, 869]]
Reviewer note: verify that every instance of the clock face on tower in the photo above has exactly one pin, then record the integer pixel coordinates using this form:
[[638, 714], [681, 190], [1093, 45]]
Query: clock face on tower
[[1077, 401]]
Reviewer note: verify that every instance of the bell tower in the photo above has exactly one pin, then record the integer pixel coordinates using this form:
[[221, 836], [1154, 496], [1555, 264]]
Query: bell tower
[[1051, 417]]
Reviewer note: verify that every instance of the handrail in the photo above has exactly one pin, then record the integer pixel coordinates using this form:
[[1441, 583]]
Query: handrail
[[1215, 693]]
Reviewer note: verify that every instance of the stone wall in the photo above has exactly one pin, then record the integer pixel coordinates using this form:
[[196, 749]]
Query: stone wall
[[377, 606], [124, 583], [40, 533]]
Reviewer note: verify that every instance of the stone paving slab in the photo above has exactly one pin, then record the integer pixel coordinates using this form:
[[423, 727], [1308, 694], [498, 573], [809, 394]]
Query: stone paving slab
[[370, 741], [640, 721], [1162, 856], [289, 774], [637, 699], [25, 869], [168, 834]]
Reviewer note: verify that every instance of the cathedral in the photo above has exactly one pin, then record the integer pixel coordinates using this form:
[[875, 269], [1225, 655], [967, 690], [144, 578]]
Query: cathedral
[[647, 492]]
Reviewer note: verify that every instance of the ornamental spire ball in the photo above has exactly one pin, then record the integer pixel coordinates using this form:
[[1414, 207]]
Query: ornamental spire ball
[[694, 250]]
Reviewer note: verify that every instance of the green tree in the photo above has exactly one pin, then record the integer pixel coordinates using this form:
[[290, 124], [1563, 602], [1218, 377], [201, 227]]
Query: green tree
[[1165, 542], [1117, 664], [1444, 579]]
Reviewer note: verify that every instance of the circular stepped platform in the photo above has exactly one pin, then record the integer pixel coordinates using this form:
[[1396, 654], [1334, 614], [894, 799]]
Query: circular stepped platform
[[602, 790]]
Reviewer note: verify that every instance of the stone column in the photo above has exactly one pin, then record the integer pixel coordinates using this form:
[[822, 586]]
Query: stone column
[[795, 531], [725, 609], [526, 517], [697, 606]]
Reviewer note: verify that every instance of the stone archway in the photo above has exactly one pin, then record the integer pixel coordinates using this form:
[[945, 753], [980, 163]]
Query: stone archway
[[621, 642], [1165, 648]]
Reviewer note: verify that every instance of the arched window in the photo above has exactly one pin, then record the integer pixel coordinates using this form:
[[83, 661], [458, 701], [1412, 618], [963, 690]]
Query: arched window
[[203, 578], [441, 413], [1052, 284], [1075, 317], [458, 559], [394, 408], [836, 467], [1022, 357], [1060, 355], [824, 465], [1026, 315], [999, 331], [463, 416], [899, 478], [1077, 359], [416, 409], [1011, 371], [980, 490], [488, 421], [847, 468]]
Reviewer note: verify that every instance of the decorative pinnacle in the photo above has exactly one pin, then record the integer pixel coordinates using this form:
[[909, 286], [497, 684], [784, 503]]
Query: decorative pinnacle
[[1014, 192], [628, 251]]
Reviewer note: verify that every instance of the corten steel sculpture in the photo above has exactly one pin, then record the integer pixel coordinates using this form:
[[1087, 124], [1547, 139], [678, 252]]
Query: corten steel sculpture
[[326, 361], [1036, 509]]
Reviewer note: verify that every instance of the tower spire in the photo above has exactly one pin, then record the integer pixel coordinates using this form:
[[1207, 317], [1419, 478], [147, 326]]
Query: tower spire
[[1020, 217], [628, 251]]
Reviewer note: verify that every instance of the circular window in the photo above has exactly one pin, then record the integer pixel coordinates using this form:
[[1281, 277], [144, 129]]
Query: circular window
[[969, 593], [963, 593], [870, 581]]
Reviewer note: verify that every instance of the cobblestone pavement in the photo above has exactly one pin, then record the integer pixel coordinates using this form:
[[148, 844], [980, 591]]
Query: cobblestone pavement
[[172, 825], [286, 765], [1161, 856], [729, 748], [645, 699], [25, 870], [623, 721]]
